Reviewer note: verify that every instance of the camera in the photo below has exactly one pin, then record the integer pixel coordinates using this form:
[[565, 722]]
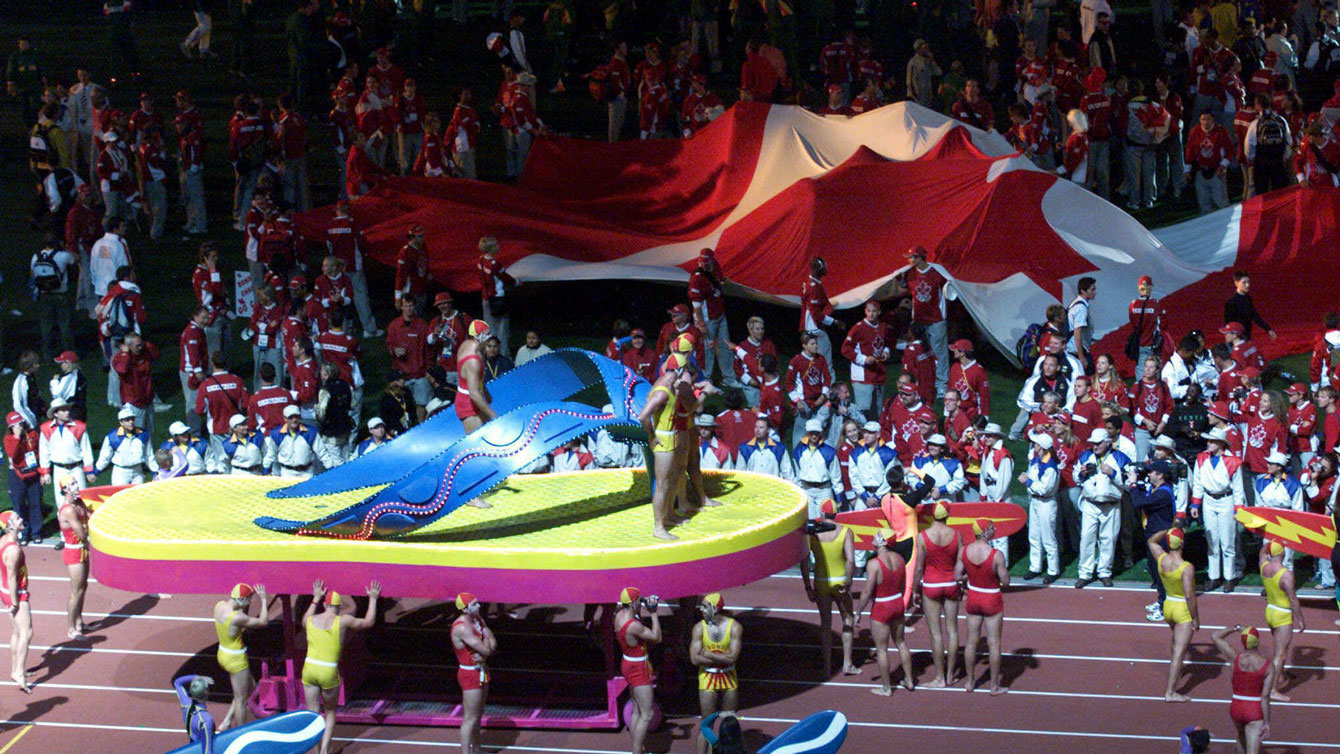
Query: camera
[[651, 602], [814, 527]]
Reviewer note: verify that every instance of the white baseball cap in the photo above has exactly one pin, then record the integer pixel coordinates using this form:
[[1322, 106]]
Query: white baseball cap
[[707, 420], [937, 439], [238, 420], [1041, 439], [871, 426], [1100, 435], [178, 428], [1165, 442], [376, 421], [126, 412], [1277, 458], [292, 410], [814, 425]]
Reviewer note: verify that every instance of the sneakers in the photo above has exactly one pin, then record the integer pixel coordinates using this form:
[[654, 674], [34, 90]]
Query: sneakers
[[1107, 580], [1081, 583], [1031, 575], [1050, 579], [1151, 607], [1155, 616]]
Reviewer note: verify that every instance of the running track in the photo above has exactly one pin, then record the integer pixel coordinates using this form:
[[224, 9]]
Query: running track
[[1084, 668]]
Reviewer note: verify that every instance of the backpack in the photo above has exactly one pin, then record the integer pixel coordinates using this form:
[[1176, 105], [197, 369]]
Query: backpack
[[120, 316], [335, 420], [40, 150], [1026, 348], [1272, 135], [47, 275]]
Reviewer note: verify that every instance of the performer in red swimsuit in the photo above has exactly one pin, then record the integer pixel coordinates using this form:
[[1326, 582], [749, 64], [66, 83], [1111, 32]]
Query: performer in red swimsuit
[[474, 644], [633, 637], [1253, 677], [472, 398], [14, 593], [473, 403], [983, 568], [73, 519], [940, 593], [885, 574]]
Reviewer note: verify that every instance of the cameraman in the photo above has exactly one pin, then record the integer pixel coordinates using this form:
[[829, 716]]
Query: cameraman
[[1165, 449], [1152, 497]]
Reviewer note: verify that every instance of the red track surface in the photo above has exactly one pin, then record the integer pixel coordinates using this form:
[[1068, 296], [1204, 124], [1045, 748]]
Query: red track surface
[[1084, 668]]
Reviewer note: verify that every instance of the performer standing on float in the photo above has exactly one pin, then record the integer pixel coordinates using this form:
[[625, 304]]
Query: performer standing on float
[[473, 404], [474, 644], [634, 637], [659, 417]]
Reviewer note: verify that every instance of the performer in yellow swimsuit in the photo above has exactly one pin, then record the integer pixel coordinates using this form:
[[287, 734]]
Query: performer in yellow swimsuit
[[1283, 614], [833, 552], [231, 618], [1179, 606], [658, 420], [325, 641], [717, 640]]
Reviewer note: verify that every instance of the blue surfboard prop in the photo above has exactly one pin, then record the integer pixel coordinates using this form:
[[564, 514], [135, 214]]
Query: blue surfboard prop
[[820, 733], [432, 470], [287, 733]]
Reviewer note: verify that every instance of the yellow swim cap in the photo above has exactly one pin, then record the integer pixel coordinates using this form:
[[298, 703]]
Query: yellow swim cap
[[629, 595], [1276, 547], [465, 600], [941, 511], [1175, 538], [333, 598], [1251, 638]]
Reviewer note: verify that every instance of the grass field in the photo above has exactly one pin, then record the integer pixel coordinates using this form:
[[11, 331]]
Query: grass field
[[566, 314]]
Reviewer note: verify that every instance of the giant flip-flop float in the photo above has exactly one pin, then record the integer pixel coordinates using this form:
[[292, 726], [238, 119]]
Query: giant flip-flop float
[[399, 515]]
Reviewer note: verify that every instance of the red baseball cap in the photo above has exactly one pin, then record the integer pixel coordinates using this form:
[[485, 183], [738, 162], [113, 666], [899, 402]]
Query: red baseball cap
[[706, 253], [1297, 388], [907, 389], [1232, 327], [1219, 409], [680, 309], [297, 281], [637, 332], [67, 357], [1146, 280], [13, 418], [962, 344], [442, 298], [1251, 372]]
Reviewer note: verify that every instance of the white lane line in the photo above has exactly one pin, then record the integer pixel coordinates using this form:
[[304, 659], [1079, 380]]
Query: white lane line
[[1026, 655], [1245, 591], [1014, 691], [773, 720], [1065, 733], [342, 739], [132, 616]]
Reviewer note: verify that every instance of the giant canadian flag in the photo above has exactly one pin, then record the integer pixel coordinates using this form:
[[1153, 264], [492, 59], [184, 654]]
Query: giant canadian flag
[[769, 187]]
